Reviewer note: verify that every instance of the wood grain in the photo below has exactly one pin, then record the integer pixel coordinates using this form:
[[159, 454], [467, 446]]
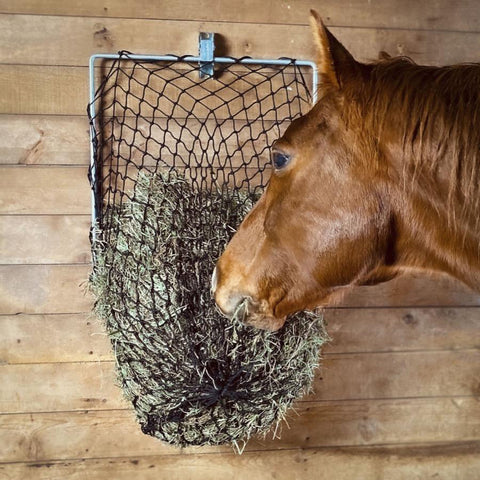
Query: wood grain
[[412, 290], [30, 89], [438, 15], [457, 461], [60, 90], [224, 143], [44, 289], [45, 140], [87, 36], [33, 39], [107, 433], [53, 387], [398, 394], [64, 140], [397, 375], [53, 338], [44, 239], [42, 190], [61, 289], [402, 329], [90, 385], [82, 338], [236, 93], [65, 190]]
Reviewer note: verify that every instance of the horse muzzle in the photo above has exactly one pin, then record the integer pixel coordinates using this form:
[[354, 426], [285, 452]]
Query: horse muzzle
[[242, 307]]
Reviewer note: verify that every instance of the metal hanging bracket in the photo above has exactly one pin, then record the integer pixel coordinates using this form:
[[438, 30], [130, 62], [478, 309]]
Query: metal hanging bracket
[[206, 48]]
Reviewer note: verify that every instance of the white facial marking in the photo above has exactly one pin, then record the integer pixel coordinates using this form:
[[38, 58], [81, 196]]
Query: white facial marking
[[213, 285]]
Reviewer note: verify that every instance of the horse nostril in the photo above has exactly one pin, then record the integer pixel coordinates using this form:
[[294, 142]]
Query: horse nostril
[[241, 309], [234, 305], [229, 303]]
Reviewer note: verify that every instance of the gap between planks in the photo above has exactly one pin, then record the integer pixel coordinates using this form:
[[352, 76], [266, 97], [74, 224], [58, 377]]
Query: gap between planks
[[391, 446], [299, 403], [322, 356], [357, 15]]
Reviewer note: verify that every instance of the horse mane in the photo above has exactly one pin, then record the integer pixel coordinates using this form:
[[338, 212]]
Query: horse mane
[[433, 115]]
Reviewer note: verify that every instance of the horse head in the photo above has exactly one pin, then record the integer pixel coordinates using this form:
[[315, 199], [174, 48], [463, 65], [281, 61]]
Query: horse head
[[334, 212]]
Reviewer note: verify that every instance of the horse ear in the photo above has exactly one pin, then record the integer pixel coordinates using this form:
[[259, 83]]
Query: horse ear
[[334, 62]]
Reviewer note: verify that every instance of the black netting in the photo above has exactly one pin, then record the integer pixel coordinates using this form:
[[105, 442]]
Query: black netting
[[161, 117], [179, 161]]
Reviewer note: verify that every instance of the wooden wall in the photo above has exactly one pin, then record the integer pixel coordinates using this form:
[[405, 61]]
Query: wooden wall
[[398, 395]]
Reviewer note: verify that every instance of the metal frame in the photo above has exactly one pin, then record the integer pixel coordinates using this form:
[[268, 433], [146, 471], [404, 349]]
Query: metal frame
[[170, 58]]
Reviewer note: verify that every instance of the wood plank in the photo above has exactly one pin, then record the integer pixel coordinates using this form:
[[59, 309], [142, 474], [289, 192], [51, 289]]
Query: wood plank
[[33, 39], [44, 289], [43, 90], [64, 140], [109, 35], [397, 375], [89, 385], [439, 15], [45, 140], [65, 190], [53, 338], [457, 461], [401, 329], [82, 338], [58, 140], [61, 289], [107, 433], [238, 92], [63, 90], [452, 420], [412, 290], [44, 239], [44, 190], [215, 140], [55, 387]]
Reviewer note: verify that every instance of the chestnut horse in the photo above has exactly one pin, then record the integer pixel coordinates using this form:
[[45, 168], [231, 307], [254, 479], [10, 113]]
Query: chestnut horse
[[381, 177]]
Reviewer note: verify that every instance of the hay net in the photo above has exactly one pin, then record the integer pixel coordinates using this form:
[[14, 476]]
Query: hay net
[[178, 162]]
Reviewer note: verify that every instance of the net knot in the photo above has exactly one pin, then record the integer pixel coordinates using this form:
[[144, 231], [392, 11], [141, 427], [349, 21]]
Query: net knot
[[220, 384]]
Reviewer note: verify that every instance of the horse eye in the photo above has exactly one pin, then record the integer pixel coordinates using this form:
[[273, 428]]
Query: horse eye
[[280, 160]]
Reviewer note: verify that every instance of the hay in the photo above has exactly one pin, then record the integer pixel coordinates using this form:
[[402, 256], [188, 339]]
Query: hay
[[193, 376]]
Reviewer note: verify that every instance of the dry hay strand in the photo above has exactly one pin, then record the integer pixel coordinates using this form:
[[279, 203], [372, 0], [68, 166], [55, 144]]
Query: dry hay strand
[[193, 376]]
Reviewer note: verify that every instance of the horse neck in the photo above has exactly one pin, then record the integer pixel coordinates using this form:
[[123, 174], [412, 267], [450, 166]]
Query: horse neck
[[435, 229]]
